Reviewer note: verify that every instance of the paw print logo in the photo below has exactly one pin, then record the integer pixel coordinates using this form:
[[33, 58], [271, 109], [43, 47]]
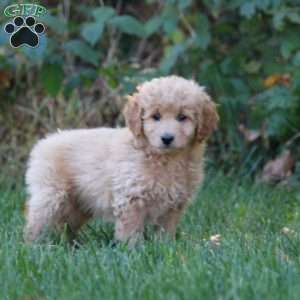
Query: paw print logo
[[24, 32]]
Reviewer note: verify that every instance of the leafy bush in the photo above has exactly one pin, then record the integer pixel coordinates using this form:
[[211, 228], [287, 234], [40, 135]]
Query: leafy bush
[[247, 53]]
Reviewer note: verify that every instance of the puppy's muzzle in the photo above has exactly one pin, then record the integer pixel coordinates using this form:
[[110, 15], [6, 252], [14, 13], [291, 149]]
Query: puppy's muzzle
[[167, 139]]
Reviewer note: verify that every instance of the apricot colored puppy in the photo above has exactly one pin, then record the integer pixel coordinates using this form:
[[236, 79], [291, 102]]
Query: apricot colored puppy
[[144, 173]]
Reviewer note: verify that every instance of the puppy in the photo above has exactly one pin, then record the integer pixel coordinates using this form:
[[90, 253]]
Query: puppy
[[144, 173]]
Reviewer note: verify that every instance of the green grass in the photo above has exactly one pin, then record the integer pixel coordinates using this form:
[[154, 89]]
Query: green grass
[[254, 261]]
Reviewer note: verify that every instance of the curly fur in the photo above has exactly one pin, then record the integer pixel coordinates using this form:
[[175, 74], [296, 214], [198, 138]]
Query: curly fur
[[124, 175]]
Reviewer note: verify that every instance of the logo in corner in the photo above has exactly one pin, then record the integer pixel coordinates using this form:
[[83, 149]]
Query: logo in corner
[[24, 30]]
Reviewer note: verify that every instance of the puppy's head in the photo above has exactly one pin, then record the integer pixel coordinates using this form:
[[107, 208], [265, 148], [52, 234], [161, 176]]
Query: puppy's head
[[170, 113]]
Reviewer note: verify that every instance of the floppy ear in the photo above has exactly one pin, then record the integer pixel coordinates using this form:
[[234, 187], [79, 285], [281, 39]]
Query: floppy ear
[[207, 119], [133, 115]]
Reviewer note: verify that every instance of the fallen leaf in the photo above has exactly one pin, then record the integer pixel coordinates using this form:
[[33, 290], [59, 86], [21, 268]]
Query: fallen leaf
[[279, 168], [288, 231], [286, 79], [274, 79], [250, 135], [215, 240], [271, 80], [5, 78]]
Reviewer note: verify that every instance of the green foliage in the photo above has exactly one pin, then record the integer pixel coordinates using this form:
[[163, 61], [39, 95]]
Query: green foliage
[[92, 32], [82, 50], [247, 54], [129, 25], [52, 77]]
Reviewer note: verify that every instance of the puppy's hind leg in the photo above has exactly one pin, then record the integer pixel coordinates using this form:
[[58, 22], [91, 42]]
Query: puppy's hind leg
[[42, 212], [74, 217], [56, 212], [52, 203]]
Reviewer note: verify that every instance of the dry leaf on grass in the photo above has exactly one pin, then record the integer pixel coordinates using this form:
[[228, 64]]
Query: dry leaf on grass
[[215, 240], [279, 168], [274, 79], [5, 78], [250, 135], [287, 231]]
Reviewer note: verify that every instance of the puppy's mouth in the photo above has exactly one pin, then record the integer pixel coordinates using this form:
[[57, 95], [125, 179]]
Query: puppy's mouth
[[168, 148]]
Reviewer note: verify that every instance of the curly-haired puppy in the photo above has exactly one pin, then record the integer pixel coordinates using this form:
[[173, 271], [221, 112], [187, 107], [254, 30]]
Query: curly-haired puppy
[[143, 173]]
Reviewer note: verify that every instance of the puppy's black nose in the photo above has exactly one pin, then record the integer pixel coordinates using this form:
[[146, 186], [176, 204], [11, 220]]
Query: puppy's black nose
[[167, 139]]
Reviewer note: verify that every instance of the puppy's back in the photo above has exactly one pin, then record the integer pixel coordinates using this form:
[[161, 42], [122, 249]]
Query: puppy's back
[[77, 162]]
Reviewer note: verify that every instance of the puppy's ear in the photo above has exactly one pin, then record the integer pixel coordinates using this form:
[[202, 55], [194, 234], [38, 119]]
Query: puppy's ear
[[208, 118], [133, 115]]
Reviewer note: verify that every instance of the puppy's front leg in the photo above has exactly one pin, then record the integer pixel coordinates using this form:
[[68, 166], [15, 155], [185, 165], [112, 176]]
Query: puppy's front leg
[[168, 222], [130, 222]]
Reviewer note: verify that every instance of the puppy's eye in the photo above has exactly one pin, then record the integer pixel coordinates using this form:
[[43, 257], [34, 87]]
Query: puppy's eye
[[156, 116], [181, 118]]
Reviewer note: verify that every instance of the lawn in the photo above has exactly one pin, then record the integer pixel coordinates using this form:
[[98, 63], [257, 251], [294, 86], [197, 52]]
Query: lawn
[[256, 257]]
